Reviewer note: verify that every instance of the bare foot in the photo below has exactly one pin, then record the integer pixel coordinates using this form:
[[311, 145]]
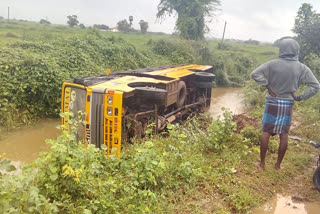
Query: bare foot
[[278, 167], [260, 166]]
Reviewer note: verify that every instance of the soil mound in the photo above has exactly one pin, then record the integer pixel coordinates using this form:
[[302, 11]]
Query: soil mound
[[244, 120]]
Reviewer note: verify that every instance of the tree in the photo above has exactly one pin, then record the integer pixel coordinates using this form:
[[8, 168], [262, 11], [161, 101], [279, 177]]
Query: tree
[[191, 15], [307, 28], [43, 21], [252, 42], [82, 26], [143, 26], [72, 20], [124, 26]]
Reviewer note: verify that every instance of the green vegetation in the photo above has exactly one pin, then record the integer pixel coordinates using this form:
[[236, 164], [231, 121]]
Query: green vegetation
[[36, 59], [32, 71], [125, 26], [43, 21], [101, 27], [236, 60], [203, 166], [307, 28], [72, 20]]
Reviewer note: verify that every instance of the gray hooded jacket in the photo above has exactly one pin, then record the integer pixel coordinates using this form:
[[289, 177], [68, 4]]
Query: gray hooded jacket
[[286, 74]]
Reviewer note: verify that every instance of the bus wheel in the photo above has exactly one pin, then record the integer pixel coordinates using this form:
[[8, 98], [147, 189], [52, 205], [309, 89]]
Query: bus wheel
[[205, 77], [316, 178], [156, 95], [204, 84], [182, 93]]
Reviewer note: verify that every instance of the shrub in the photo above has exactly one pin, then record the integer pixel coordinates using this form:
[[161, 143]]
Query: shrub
[[32, 72], [179, 53], [72, 178], [12, 35]]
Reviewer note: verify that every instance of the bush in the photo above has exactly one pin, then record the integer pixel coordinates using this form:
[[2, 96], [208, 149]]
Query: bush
[[12, 35], [221, 78], [179, 53], [223, 46], [236, 79], [72, 178], [251, 133], [313, 61], [101, 27], [254, 94], [252, 42], [32, 72], [46, 22]]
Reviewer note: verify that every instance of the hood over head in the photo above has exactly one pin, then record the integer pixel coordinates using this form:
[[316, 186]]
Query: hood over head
[[289, 50]]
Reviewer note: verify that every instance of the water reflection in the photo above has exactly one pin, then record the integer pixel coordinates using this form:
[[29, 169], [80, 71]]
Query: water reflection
[[284, 204], [25, 143], [230, 98]]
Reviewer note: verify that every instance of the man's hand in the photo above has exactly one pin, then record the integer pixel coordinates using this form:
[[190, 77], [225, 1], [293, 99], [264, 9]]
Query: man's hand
[[272, 92], [295, 97]]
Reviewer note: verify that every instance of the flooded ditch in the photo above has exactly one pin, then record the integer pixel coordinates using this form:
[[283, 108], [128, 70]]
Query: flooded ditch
[[230, 98], [25, 144]]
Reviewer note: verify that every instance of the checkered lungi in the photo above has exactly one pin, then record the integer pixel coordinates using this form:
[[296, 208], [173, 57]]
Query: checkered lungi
[[277, 116]]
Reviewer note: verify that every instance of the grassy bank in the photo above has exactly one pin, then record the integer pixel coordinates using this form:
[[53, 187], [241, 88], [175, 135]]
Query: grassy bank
[[203, 167]]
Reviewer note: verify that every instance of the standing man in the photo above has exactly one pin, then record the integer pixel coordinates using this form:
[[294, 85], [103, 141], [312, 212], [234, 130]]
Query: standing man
[[282, 77]]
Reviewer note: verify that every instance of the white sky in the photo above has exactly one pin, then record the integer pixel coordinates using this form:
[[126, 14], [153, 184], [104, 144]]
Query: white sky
[[256, 19]]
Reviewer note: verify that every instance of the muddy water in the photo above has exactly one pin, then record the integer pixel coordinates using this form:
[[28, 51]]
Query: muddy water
[[25, 144], [284, 204], [230, 98]]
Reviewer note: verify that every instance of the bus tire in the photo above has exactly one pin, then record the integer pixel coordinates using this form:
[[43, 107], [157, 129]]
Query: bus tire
[[182, 93], [316, 178], [204, 84], [152, 94], [205, 77]]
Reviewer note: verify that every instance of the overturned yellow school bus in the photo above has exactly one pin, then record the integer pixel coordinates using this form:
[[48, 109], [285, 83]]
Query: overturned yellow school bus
[[121, 105]]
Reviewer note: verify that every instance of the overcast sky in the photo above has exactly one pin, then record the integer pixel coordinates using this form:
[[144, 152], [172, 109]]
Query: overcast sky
[[264, 20]]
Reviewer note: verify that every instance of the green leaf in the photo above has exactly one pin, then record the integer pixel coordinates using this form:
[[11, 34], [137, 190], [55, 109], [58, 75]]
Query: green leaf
[[233, 170], [169, 126], [53, 177], [113, 150], [104, 147], [10, 168], [7, 166], [154, 162], [86, 211]]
